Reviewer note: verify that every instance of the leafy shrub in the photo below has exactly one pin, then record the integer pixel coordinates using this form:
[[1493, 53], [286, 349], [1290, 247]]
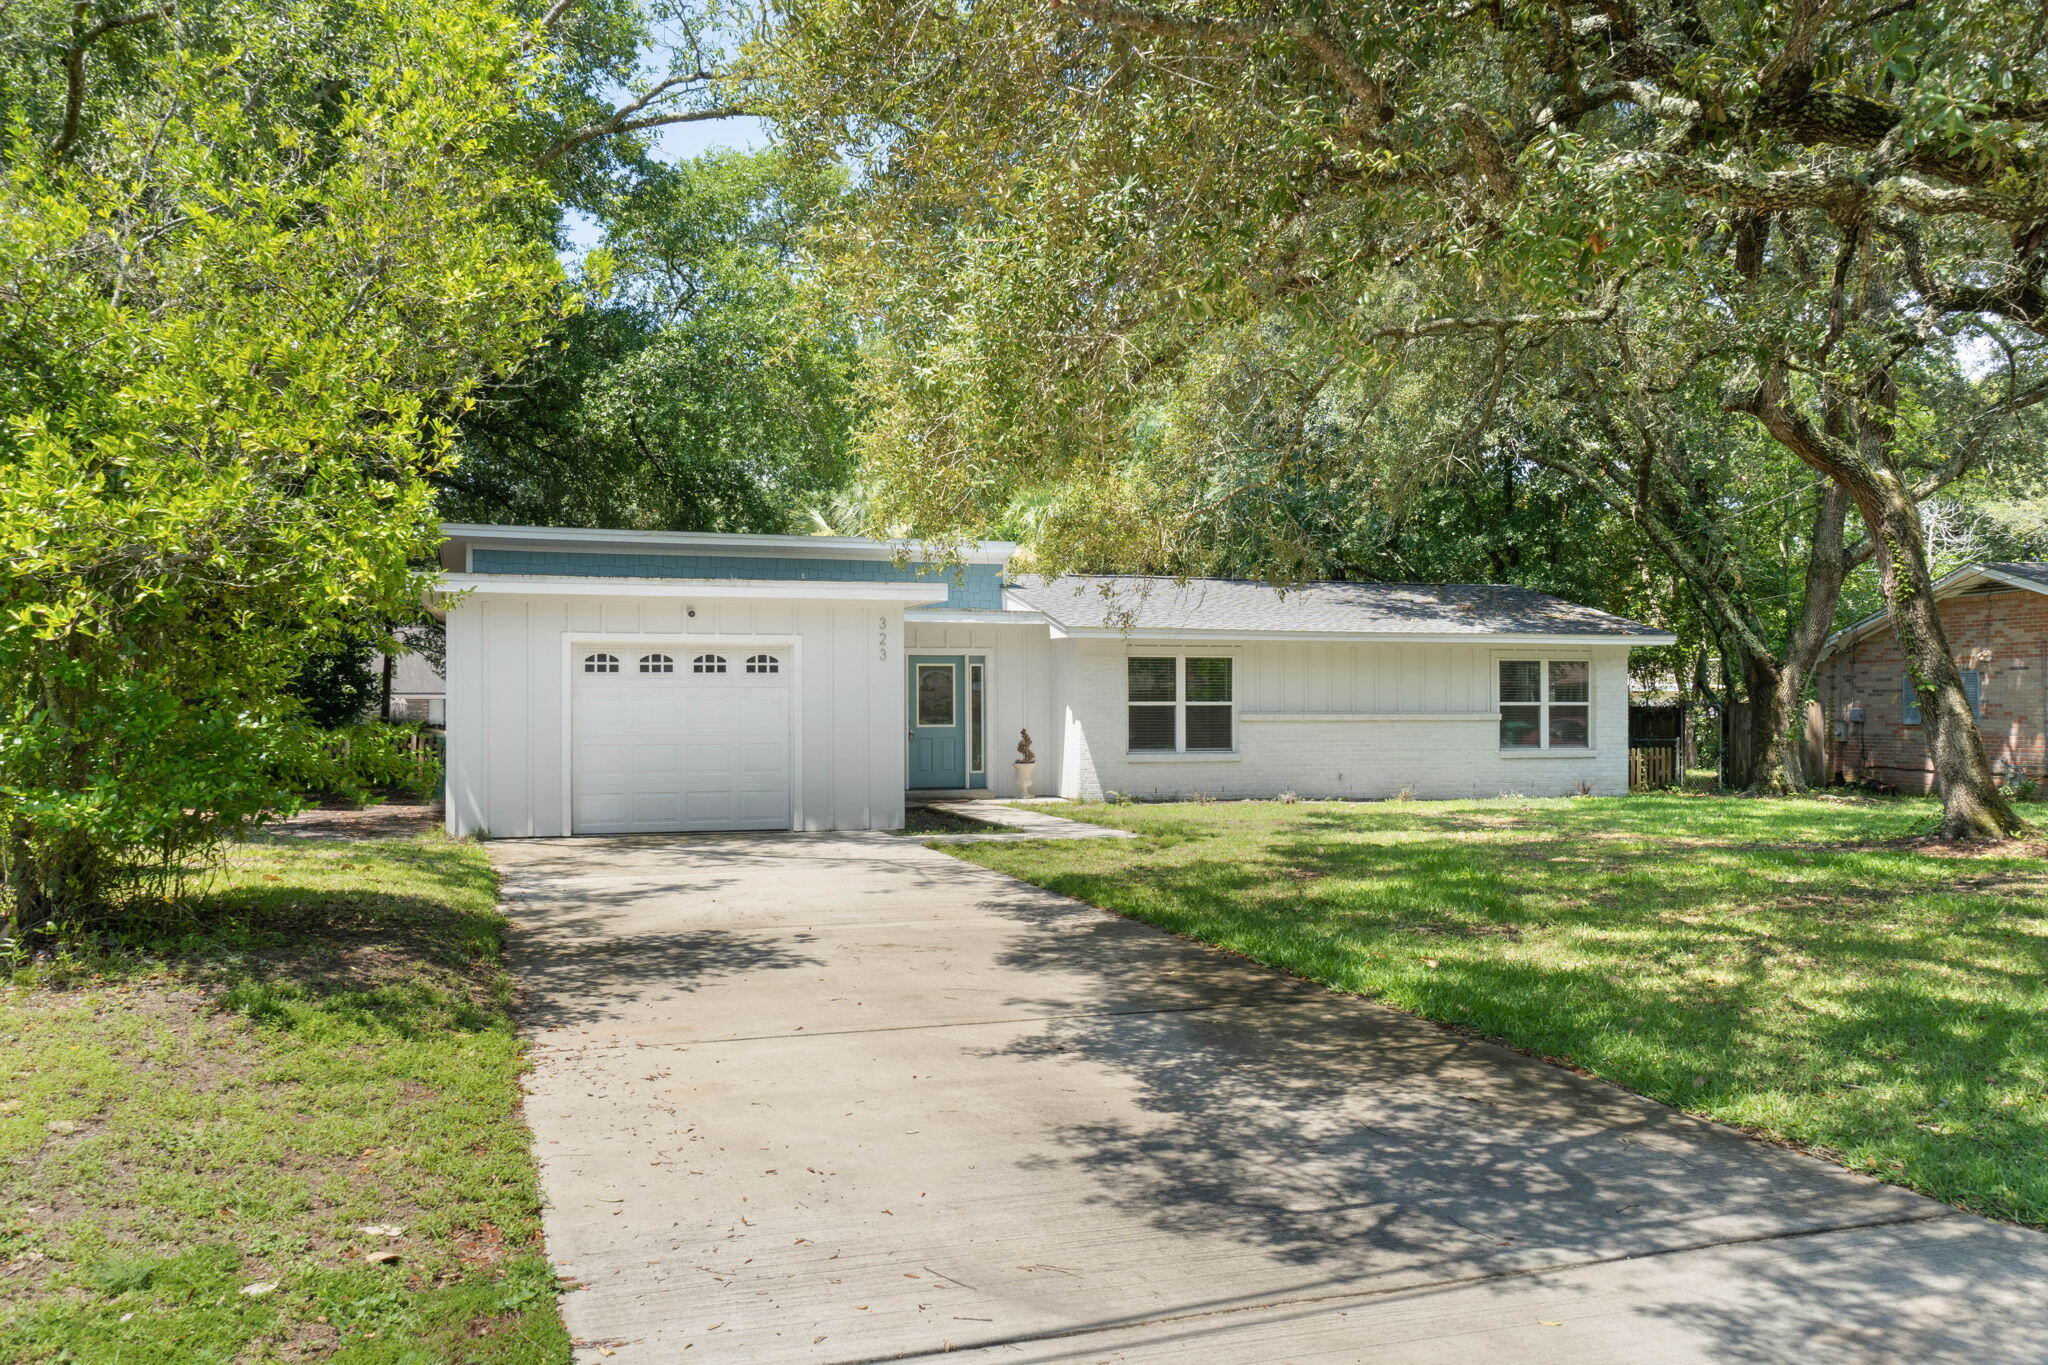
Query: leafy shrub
[[243, 292], [338, 686], [355, 763]]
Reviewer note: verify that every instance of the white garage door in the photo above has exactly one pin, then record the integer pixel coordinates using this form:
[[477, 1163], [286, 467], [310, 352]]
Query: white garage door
[[679, 739]]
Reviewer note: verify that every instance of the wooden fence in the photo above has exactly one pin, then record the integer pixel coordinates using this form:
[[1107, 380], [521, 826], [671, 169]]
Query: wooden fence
[[1652, 765]]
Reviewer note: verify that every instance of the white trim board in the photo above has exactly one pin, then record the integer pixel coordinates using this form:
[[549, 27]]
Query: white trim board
[[1949, 585], [1353, 717], [576, 585], [1195, 638]]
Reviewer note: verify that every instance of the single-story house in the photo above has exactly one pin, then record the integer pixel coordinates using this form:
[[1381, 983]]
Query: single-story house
[[413, 690], [1996, 617], [623, 681]]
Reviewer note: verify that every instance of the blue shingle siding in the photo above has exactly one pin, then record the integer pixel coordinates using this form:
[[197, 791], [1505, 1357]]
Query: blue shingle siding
[[971, 586]]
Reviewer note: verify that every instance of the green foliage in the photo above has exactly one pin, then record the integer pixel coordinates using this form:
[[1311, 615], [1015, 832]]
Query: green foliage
[[356, 762], [1144, 274], [281, 240], [703, 389], [337, 686]]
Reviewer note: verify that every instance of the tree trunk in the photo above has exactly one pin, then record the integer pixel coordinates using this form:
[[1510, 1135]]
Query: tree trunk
[[1972, 806], [1758, 752], [1828, 563]]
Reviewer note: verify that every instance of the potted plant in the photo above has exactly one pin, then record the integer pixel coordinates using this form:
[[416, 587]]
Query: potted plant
[[1026, 764]]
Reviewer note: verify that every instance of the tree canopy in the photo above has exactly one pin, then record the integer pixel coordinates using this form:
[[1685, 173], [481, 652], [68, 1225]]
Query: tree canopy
[[1077, 211], [252, 254], [701, 387]]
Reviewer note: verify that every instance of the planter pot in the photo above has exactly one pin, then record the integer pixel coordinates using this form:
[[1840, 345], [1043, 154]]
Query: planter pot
[[1024, 771]]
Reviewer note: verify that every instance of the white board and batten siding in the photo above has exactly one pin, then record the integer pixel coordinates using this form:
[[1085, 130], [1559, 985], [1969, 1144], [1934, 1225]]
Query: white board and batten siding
[[799, 748], [1345, 720], [1020, 691]]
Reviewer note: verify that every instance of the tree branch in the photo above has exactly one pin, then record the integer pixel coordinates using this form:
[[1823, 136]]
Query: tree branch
[[1842, 196], [1318, 43], [74, 64], [623, 120], [1506, 322]]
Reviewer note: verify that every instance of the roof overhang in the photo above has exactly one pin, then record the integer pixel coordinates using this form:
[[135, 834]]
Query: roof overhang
[[970, 616], [577, 585], [685, 542], [1369, 637], [1948, 585]]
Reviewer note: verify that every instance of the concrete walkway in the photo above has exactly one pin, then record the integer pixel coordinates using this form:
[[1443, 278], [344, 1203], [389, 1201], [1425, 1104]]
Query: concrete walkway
[[843, 1098], [1023, 821]]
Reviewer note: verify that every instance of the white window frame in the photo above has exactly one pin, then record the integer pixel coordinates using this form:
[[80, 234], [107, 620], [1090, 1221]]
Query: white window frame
[[977, 754], [1180, 703], [1543, 748]]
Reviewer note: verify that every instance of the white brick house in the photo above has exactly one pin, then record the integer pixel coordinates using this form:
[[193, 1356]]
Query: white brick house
[[603, 682]]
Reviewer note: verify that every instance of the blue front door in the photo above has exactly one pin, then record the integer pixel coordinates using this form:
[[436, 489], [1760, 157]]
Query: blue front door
[[938, 722]]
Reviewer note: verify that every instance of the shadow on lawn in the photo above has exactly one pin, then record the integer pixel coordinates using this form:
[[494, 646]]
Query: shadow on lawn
[[1363, 1149], [1849, 996], [391, 936]]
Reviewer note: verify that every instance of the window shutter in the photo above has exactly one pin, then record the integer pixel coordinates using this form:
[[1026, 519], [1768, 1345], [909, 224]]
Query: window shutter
[[1909, 701], [1973, 688]]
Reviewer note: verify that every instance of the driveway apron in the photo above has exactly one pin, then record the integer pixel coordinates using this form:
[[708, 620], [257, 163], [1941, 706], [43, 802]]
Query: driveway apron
[[842, 1098]]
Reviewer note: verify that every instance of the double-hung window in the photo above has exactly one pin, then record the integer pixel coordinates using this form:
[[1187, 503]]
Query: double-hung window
[[1181, 704], [1546, 704], [1973, 692]]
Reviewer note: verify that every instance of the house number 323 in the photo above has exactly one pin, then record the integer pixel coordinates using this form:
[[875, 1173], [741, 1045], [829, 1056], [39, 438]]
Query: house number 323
[[882, 634]]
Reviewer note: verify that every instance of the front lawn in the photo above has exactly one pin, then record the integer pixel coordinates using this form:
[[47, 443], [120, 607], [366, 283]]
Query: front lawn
[[282, 1125], [1805, 969]]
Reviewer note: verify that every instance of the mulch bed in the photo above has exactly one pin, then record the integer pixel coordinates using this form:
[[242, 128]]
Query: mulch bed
[[398, 818]]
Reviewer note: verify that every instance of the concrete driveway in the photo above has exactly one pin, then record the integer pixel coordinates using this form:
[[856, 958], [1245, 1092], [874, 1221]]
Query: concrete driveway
[[843, 1098]]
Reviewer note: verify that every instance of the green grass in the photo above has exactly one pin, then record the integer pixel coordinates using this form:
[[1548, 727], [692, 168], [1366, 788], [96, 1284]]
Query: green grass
[[1808, 970], [318, 1041]]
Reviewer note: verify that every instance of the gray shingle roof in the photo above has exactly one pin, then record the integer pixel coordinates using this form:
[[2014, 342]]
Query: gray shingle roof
[[2038, 572], [1117, 602]]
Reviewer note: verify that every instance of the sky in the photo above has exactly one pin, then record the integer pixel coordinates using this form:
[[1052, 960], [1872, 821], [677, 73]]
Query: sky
[[676, 142]]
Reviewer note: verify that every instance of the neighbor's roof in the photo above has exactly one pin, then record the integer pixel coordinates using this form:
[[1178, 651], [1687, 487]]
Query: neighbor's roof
[[2036, 573], [1987, 576], [1118, 603]]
